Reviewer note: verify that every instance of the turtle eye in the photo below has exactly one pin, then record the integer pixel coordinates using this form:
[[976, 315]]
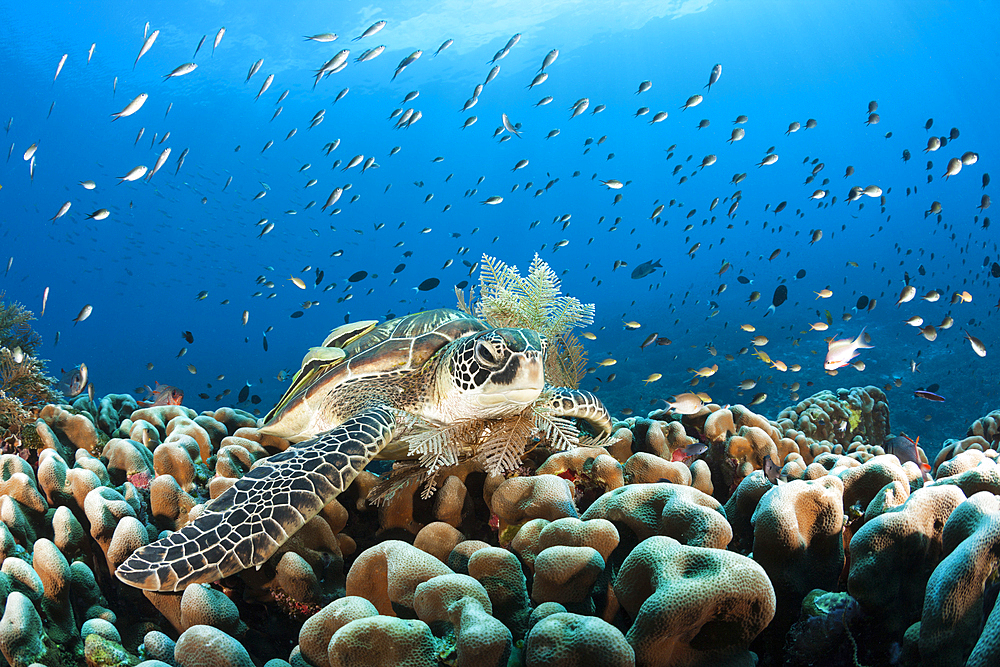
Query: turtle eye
[[486, 354]]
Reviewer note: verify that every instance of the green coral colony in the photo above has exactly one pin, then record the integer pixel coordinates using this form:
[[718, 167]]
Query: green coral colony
[[514, 523]]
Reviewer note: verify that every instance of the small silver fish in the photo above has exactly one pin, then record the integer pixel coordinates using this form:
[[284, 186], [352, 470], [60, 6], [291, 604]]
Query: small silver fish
[[62, 61], [267, 84], [146, 46], [60, 213], [200, 44], [159, 163], [253, 69], [134, 174], [370, 54], [372, 29], [509, 126], [714, 76], [322, 37], [131, 107], [181, 70], [445, 45], [539, 79], [492, 75], [550, 58], [218, 39], [84, 314]]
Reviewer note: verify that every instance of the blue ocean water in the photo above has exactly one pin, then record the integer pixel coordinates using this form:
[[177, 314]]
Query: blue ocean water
[[185, 232]]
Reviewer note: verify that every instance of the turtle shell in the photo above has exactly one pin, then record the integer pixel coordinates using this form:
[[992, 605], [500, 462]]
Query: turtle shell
[[389, 350]]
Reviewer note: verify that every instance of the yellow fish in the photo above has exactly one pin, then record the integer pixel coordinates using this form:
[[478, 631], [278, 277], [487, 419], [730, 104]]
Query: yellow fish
[[707, 371]]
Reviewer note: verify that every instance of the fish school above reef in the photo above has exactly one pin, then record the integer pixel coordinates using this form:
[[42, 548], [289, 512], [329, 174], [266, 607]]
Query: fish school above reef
[[631, 552]]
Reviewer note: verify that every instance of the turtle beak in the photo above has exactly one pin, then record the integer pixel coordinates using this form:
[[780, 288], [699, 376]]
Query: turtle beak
[[523, 396], [519, 387], [520, 396]]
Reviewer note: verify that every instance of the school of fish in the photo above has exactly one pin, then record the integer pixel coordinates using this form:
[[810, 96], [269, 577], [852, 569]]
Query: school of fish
[[739, 294]]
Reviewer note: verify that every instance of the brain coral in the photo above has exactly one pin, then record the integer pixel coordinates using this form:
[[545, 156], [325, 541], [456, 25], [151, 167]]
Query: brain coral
[[953, 605], [988, 428], [692, 605], [389, 573], [204, 646], [500, 573], [682, 512], [565, 575], [860, 413], [462, 602], [893, 555], [798, 541], [570, 640], [383, 640]]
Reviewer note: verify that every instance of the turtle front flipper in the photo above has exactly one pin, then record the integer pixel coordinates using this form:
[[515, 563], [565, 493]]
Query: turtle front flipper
[[245, 525], [581, 405]]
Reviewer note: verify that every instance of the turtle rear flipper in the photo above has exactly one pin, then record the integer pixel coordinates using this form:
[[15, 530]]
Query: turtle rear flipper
[[247, 524]]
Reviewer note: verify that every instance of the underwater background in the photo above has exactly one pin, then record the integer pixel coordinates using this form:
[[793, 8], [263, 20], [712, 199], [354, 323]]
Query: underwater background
[[184, 252]]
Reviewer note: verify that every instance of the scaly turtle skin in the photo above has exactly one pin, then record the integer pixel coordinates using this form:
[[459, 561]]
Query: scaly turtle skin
[[441, 365]]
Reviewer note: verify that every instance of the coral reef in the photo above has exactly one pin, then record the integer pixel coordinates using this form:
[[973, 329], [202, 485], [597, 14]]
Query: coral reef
[[831, 422], [24, 386], [631, 553], [15, 327]]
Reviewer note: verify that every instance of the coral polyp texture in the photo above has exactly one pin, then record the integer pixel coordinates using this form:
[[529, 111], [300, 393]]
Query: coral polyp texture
[[634, 552]]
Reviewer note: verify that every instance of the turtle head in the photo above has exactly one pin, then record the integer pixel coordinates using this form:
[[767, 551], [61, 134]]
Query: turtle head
[[499, 371]]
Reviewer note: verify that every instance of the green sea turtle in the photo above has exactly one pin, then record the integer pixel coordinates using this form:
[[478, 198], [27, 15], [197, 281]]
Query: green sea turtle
[[443, 367]]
